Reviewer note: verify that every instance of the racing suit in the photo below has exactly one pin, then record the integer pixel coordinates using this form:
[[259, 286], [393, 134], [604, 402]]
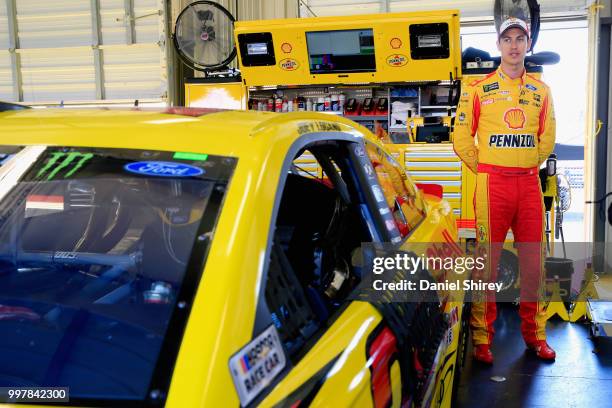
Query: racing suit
[[504, 131]]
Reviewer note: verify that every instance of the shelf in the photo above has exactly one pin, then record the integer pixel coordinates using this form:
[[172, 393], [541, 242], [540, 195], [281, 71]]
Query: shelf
[[437, 107], [358, 118]]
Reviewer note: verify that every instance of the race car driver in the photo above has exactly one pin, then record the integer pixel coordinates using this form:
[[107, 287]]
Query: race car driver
[[504, 131]]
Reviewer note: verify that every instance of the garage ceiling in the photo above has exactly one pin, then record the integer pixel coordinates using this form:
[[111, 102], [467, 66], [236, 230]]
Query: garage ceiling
[[69, 51], [471, 9]]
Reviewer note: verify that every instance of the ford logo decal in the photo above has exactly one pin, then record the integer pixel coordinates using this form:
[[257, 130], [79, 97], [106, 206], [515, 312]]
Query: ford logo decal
[[163, 169]]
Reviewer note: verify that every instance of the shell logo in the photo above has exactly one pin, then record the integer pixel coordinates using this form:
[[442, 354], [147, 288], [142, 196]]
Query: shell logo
[[288, 64], [515, 118], [395, 43], [286, 48], [397, 60]]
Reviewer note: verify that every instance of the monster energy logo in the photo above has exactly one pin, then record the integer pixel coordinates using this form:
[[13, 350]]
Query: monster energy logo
[[63, 161]]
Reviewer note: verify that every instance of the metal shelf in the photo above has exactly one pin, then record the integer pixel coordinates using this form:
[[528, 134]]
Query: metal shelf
[[358, 118]]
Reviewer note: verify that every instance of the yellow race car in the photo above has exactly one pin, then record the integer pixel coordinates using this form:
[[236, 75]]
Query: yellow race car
[[191, 258]]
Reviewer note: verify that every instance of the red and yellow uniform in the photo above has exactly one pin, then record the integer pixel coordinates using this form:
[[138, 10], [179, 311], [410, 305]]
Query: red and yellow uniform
[[504, 130]]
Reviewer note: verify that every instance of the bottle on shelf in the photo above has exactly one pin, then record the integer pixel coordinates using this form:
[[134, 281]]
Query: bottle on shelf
[[278, 105], [309, 105], [320, 104], [341, 102], [334, 103]]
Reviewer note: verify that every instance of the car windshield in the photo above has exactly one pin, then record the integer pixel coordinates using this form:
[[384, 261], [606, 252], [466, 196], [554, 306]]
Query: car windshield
[[101, 251]]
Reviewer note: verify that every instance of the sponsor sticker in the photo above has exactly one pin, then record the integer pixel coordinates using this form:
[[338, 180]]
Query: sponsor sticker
[[43, 204], [397, 60], [486, 102], [163, 169], [523, 101], [256, 365], [482, 232], [537, 97], [286, 48], [378, 194], [491, 87], [531, 87], [504, 92], [288, 64], [461, 116]]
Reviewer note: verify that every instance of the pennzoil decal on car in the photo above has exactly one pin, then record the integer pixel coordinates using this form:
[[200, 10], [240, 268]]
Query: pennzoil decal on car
[[288, 64], [256, 365], [397, 60], [163, 169]]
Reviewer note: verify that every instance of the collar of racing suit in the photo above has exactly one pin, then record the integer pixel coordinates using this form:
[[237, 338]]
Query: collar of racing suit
[[517, 81]]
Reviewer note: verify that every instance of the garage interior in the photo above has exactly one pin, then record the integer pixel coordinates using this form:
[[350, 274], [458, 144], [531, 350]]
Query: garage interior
[[128, 54]]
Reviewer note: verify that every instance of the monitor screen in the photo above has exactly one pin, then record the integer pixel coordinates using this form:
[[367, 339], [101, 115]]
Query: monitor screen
[[260, 48], [341, 51]]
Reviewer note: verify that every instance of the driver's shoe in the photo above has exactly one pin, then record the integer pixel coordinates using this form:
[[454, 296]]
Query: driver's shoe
[[482, 353], [542, 350]]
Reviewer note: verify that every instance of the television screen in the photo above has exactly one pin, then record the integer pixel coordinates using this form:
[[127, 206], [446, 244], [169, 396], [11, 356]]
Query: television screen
[[341, 51]]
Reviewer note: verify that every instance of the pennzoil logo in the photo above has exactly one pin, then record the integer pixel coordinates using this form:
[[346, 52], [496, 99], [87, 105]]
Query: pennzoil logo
[[66, 163], [515, 118], [397, 60], [288, 64]]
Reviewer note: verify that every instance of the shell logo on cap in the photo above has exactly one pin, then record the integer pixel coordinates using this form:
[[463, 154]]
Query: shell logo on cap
[[515, 118]]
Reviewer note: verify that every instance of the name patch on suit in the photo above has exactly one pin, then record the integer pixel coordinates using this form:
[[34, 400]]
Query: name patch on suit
[[512, 141]]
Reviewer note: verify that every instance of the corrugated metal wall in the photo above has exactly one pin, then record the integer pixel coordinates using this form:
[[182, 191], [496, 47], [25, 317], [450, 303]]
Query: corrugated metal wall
[[240, 9], [470, 9], [82, 50], [249, 9]]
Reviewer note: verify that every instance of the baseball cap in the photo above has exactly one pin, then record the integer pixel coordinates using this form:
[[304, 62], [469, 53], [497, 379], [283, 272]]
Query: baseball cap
[[513, 23]]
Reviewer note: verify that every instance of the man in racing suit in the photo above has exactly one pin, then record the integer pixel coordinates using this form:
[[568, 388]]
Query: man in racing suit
[[504, 131]]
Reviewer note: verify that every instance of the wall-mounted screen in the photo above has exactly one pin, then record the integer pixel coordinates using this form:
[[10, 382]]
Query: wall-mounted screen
[[341, 51], [256, 49]]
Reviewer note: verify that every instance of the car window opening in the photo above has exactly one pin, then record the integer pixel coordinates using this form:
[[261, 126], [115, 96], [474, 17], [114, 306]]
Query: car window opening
[[315, 256]]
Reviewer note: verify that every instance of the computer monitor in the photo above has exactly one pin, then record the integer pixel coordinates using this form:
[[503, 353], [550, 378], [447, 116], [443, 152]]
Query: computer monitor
[[341, 51]]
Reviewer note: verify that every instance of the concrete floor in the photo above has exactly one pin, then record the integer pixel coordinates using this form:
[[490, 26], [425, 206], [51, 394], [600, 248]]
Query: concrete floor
[[581, 376]]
